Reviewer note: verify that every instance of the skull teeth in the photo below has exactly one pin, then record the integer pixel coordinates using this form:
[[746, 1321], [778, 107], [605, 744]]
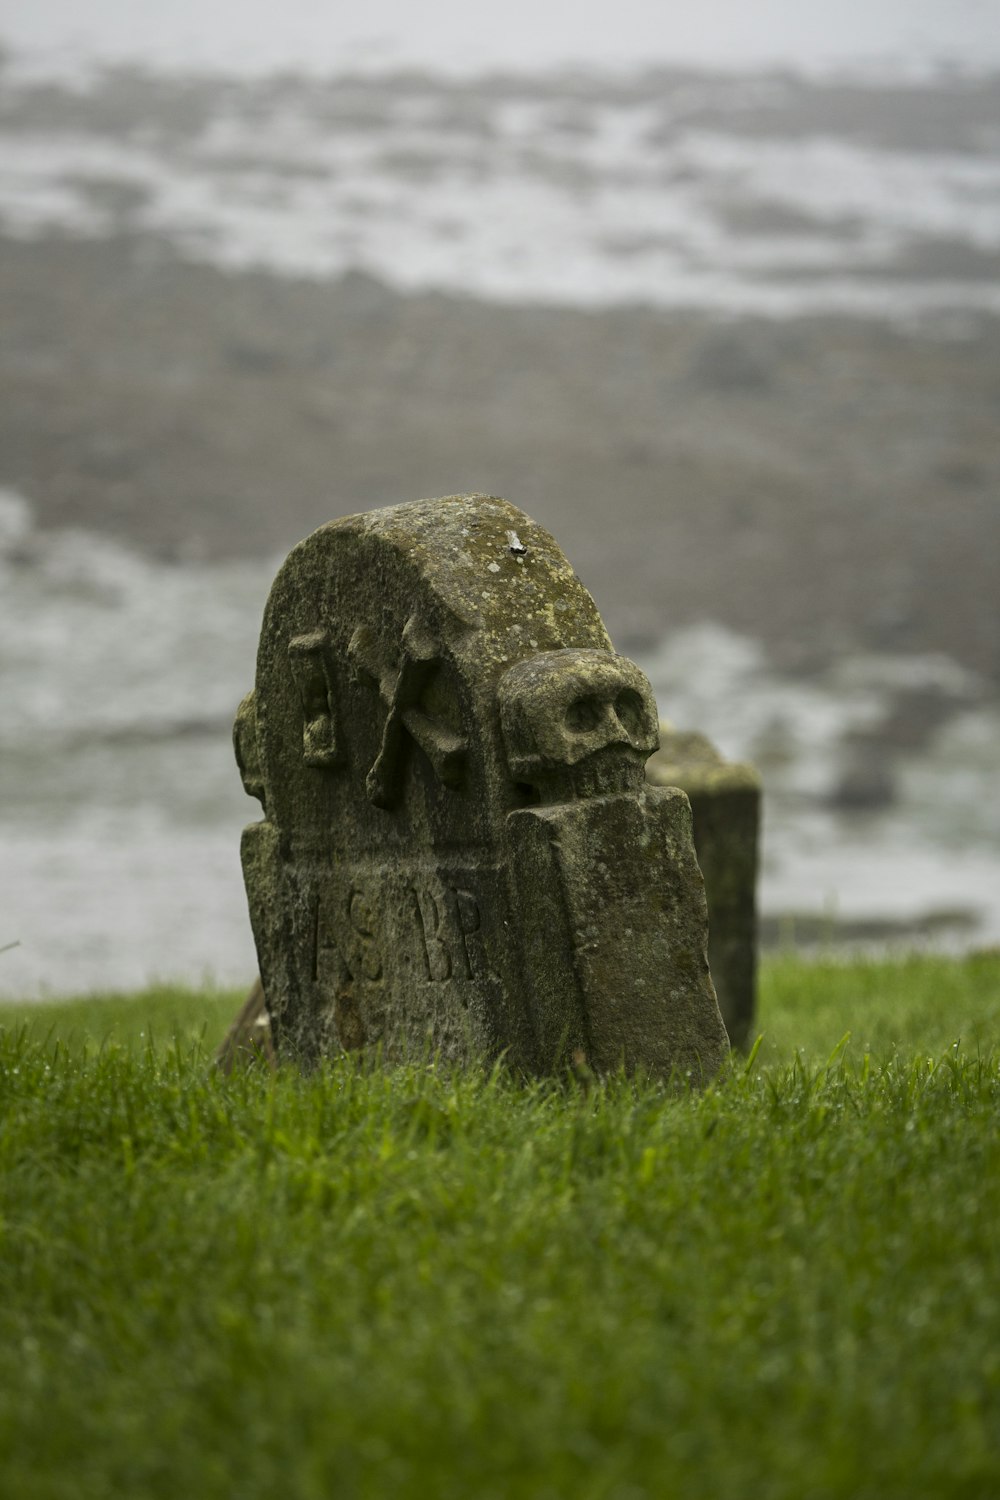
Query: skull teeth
[[605, 774], [613, 771]]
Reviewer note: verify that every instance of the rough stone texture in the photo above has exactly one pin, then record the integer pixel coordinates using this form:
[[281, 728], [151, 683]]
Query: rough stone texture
[[459, 852], [725, 806]]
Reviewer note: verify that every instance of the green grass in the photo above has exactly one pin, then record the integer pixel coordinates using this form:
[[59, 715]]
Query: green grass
[[420, 1284]]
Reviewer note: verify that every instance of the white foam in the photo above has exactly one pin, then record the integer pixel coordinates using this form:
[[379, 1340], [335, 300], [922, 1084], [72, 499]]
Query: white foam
[[503, 203], [95, 638]]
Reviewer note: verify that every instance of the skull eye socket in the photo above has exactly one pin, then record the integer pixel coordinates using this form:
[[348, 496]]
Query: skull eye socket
[[629, 708], [583, 715]]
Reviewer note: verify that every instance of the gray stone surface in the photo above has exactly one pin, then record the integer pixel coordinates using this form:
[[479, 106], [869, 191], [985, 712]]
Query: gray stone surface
[[460, 853], [725, 805]]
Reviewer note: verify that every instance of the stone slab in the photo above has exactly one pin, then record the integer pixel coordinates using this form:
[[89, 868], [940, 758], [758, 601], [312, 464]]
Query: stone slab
[[725, 799], [459, 855]]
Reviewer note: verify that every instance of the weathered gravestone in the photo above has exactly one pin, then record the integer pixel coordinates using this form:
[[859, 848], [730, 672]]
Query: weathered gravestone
[[725, 808], [459, 852]]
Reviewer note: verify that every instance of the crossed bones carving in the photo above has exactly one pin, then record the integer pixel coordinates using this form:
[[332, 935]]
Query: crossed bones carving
[[400, 689]]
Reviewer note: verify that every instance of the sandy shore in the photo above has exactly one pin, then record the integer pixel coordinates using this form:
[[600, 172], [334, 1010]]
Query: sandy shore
[[822, 484]]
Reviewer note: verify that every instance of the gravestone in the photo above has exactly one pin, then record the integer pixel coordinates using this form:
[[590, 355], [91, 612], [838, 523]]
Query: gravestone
[[459, 853], [725, 807]]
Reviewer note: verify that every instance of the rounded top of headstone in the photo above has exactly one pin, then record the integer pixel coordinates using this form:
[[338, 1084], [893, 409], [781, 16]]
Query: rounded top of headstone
[[384, 639], [492, 568]]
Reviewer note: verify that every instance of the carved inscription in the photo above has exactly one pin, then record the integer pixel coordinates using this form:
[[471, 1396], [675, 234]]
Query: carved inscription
[[434, 933], [450, 927], [471, 927], [436, 950], [345, 944]]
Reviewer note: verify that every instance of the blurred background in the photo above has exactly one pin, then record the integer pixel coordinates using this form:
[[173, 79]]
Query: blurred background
[[712, 292]]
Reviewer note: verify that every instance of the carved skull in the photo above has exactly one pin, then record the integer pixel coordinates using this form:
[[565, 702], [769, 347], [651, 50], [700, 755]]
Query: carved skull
[[577, 723]]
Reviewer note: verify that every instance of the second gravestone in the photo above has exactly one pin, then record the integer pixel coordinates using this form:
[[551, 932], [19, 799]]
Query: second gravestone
[[459, 853]]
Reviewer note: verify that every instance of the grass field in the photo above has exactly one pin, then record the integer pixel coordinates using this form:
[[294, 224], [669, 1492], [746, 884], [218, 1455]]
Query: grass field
[[417, 1284]]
